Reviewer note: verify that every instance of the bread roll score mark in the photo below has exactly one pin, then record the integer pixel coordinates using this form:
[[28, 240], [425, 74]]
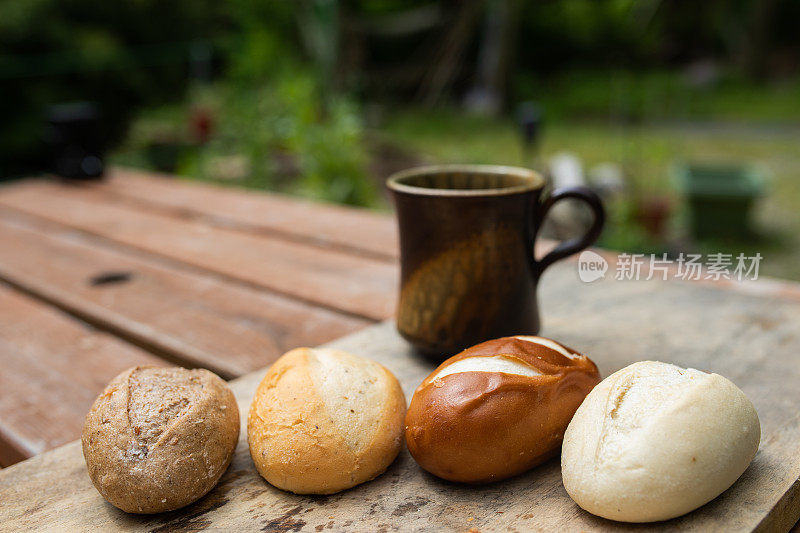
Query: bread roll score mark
[[348, 383], [553, 345], [505, 358], [497, 363], [505, 363], [155, 400]]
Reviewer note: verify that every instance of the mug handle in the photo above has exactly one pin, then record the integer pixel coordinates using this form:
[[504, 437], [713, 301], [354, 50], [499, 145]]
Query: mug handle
[[577, 244]]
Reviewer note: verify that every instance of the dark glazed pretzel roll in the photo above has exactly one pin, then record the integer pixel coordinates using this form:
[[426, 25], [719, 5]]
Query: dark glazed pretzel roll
[[497, 409]]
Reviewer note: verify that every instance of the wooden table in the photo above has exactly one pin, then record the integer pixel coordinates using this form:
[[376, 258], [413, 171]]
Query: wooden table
[[142, 269]]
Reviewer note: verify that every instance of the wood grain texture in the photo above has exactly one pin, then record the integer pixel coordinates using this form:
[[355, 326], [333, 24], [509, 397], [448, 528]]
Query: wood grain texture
[[752, 340], [359, 286], [349, 229], [354, 230], [51, 369], [193, 319]]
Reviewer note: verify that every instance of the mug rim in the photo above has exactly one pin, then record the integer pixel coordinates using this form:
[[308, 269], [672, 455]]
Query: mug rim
[[535, 180]]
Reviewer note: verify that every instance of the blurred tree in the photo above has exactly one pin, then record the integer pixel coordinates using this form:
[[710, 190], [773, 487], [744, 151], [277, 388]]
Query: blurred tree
[[495, 57], [319, 27], [130, 53]]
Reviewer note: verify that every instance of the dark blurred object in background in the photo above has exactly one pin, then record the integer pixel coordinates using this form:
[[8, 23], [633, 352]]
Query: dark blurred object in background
[[74, 137], [120, 55], [529, 116], [720, 197]]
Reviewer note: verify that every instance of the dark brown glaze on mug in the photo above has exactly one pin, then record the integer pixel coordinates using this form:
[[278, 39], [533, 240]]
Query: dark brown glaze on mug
[[468, 271]]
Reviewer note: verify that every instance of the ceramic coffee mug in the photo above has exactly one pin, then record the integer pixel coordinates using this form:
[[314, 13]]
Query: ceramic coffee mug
[[468, 269]]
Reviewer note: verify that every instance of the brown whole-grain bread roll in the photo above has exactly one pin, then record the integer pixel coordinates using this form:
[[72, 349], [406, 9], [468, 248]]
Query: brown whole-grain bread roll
[[497, 409], [157, 439]]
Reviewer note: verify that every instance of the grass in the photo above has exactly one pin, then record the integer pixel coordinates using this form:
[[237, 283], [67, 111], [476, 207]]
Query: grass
[[274, 136], [645, 153], [662, 95]]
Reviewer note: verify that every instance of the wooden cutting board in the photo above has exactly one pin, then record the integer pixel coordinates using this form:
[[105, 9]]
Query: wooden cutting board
[[753, 340]]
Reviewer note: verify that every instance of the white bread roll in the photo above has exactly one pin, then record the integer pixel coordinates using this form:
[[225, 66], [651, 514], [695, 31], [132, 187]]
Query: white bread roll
[[654, 441], [325, 420]]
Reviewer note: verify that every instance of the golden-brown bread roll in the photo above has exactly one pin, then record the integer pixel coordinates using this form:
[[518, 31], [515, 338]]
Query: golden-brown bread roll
[[325, 420], [497, 409], [157, 439]]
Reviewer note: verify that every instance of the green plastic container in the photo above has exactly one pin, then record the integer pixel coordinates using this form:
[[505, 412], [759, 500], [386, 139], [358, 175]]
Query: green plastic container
[[720, 197]]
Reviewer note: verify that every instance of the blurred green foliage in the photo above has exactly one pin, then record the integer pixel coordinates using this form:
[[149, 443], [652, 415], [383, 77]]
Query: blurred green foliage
[[276, 134], [280, 136], [273, 122]]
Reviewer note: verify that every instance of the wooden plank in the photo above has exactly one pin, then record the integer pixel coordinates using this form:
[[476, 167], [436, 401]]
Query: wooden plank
[[52, 369], [752, 340], [360, 286], [191, 318], [354, 230], [345, 228]]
